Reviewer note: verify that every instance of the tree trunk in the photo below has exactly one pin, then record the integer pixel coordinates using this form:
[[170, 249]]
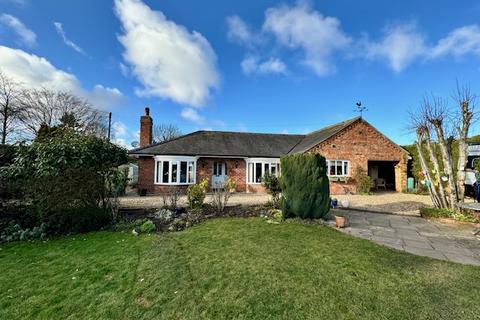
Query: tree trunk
[[462, 162], [448, 165], [436, 166], [431, 189], [4, 124]]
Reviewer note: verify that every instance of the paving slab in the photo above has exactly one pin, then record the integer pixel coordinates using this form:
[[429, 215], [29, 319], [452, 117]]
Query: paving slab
[[416, 235]]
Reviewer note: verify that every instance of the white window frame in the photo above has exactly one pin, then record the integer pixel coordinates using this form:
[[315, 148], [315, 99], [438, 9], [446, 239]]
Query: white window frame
[[159, 162], [253, 161], [345, 174]]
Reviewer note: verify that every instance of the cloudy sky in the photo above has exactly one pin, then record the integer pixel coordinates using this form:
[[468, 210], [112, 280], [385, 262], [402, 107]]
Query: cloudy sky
[[263, 66]]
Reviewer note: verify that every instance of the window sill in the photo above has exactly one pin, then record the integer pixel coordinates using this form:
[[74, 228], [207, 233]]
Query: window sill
[[174, 184]]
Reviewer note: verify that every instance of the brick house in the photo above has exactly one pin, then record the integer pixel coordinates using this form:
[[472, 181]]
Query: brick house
[[246, 157]]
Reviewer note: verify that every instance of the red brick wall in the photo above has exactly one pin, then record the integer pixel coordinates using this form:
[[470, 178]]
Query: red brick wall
[[360, 143], [146, 134], [235, 170], [146, 169]]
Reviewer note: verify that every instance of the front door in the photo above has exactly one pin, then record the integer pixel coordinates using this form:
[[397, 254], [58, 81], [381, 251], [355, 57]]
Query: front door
[[219, 174]]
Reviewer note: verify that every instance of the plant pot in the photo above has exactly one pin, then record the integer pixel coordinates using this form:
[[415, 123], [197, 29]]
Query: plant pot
[[345, 203], [341, 222]]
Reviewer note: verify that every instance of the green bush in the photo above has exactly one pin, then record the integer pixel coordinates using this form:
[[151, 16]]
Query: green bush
[[272, 184], [445, 213], [196, 194], [68, 180], [305, 186], [75, 219], [148, 227], [363, 183]]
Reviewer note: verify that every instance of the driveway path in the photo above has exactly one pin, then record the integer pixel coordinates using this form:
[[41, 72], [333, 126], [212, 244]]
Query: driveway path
[[453, 242]]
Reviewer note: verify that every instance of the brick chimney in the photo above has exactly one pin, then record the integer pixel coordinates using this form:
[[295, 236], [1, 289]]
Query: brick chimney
[[146, 124]]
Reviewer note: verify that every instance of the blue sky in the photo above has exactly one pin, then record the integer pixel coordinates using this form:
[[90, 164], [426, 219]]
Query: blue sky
[[263, 66]]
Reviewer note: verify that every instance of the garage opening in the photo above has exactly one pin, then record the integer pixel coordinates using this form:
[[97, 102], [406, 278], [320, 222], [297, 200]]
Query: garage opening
[[382, 174]]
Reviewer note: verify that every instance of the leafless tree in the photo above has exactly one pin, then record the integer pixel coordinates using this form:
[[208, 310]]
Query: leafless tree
[[48, 107], [419, 124], [164, 132], [436, 112], [437, 125], [466, 111], [10, 91]]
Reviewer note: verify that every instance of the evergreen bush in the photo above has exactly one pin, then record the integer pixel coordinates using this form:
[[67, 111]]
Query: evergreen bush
[[305, 186]]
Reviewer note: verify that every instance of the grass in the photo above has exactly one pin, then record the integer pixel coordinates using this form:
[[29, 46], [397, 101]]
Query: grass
[[230, 268]]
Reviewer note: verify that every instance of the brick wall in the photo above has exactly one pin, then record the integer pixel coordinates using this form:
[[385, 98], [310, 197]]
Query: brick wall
[[235, 170], [146, 129], [360, 143]]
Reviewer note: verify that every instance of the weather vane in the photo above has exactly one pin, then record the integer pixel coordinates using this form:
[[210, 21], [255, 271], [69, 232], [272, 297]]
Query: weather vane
[[360, 109]]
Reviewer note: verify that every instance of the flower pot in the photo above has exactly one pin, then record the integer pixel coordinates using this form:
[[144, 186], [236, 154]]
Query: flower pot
[[345, 203], [341, 222]]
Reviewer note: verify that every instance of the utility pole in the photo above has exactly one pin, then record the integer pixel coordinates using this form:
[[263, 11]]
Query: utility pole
[[109, 124]]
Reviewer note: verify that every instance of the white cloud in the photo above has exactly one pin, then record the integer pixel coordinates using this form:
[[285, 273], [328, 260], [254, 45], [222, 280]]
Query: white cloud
[[66, 40], [34, 71], [20, 3], [301, 27], [122, 143], [251, 65], [119, 129], [459, 42], [402, 45], [192, 115], [167, 59], [26, 36], [238, 31], [105, 97]]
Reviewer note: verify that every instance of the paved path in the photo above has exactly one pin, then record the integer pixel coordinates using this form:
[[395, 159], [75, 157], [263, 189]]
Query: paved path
[[453, 242]]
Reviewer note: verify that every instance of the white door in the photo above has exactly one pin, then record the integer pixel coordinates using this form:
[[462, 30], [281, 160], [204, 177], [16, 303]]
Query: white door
[[219, 174]]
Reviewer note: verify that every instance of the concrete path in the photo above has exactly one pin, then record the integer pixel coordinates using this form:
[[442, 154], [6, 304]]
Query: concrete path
[[453, 242]]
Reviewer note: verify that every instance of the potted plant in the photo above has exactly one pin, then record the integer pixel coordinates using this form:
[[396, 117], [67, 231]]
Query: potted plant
[[340, 221]]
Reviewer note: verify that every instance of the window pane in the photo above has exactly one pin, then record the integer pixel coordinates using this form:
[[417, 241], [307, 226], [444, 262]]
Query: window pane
[[174, 171], [215, 169], [331, 168], [165, 171], [250, 172], [190, 171], [266, 169], [345, 167], [157, 177], [273, 169], [183, 171], [339, 168], [258, 172]]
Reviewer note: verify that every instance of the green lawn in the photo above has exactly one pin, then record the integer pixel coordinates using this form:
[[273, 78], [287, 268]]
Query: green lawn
[[230, 268]]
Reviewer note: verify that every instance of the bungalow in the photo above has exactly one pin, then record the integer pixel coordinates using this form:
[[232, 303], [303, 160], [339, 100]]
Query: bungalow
[[246, 157]]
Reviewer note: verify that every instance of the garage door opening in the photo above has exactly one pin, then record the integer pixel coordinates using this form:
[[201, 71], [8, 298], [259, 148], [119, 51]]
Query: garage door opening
[[382, 174]]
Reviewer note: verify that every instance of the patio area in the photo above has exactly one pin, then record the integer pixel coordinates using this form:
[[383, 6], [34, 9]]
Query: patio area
[[452, 242]]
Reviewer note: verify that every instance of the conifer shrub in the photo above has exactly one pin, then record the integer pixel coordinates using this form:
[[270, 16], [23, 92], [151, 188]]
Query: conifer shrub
[[305, 186]]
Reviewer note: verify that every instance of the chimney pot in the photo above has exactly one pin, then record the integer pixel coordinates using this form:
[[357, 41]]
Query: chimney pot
[[147, 111]]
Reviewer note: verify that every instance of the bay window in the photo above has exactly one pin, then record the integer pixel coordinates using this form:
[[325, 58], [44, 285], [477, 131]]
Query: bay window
[[257, 168], [338, 168], [175, 170]]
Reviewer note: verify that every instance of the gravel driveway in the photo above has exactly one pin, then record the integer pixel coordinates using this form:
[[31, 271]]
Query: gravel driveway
[[391, 202]]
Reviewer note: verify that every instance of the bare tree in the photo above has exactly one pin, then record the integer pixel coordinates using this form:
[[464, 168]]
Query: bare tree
[[466, 103], [165, 132], [436, 113], [10, 91], [419, 124], [44, 107]]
